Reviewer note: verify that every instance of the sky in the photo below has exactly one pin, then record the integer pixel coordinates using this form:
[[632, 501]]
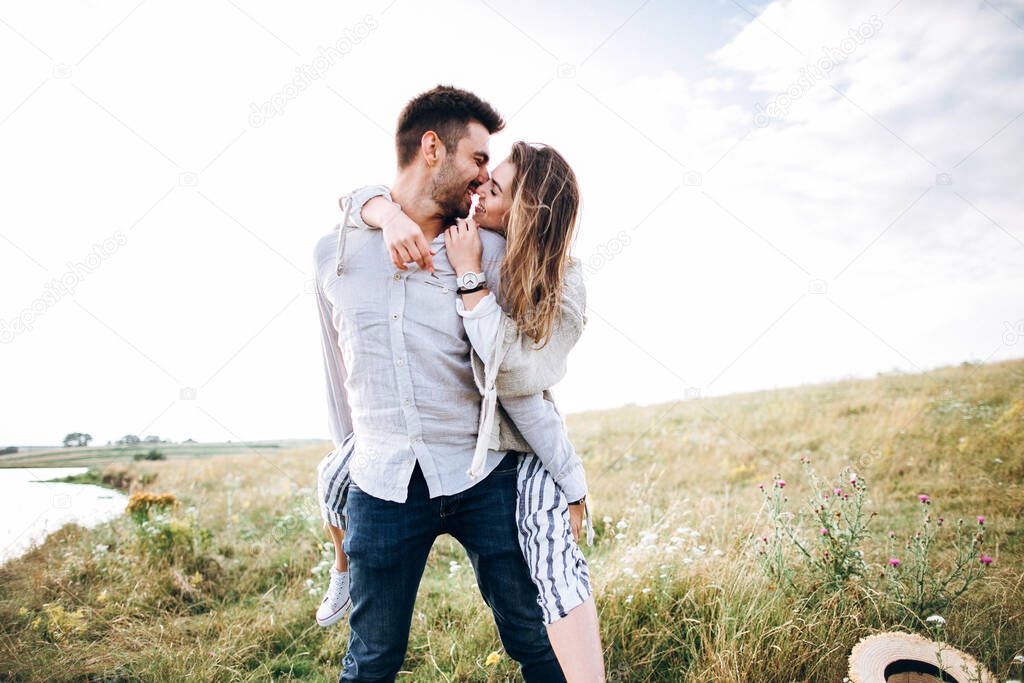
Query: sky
[[773, 194]]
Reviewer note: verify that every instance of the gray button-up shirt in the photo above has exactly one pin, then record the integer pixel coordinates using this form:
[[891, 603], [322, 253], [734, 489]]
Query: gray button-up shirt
[[398, 368]]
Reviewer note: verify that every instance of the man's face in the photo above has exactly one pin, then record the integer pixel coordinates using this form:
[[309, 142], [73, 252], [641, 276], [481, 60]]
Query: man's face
[[462, 171]]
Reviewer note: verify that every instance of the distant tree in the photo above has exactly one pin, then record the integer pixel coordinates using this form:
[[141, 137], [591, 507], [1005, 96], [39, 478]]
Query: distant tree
[[152, 439], [153, 454], [8, 450], [128, 440], [77, 439]]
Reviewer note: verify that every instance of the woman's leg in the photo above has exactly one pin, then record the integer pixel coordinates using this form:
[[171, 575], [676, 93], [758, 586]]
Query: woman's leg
[[560, 573], [340, 558], [576, 640], [332, 490]]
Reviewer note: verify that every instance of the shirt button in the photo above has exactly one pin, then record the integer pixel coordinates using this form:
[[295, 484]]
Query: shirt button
[[406, 403], [394, 316], [399, 362], [397, 276]]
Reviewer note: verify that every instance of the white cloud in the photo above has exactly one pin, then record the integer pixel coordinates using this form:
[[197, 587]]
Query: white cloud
[[203, 292]]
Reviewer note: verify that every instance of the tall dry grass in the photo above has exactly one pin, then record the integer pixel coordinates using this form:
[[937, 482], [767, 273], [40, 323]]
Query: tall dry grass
[[675, 502]]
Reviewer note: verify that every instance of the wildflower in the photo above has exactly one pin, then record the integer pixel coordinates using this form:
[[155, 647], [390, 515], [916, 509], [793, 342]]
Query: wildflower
[[894, 561], [619, 536], [1019, 659], [629, 598], [606, 519], [492, 659], [923, 498], [936, 619], [837, 491], [781, 483], [101, 548], [981, 519], [761, 486], [853, 477], [646, 590], [824, 532], [22, 611], [985, 559], [623, 524], [103, 596], [892, 534]]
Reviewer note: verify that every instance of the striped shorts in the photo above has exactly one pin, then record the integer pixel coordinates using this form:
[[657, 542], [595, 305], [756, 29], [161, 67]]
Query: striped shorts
[[332, 482], [557, 566]]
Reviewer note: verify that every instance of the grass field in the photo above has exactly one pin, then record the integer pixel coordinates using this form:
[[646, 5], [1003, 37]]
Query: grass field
[[231, 594], [95, 456]]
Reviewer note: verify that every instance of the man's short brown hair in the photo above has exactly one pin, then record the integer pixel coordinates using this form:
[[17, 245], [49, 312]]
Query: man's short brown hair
[[447, 111]]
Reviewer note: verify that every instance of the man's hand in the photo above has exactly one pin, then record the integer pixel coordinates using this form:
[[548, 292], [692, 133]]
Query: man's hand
[[465, 250], [576, 520], [404, 238]]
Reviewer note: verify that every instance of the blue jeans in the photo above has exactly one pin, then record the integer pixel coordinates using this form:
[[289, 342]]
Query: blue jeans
[[387, 545]]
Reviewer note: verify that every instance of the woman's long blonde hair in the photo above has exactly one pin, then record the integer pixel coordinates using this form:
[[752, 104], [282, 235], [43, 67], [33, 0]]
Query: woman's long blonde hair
[[541, 223]]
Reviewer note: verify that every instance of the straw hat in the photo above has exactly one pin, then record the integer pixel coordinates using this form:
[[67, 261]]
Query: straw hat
[[908, 658]]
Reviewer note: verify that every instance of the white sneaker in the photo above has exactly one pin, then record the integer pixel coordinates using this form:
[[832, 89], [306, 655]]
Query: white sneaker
[[337, 601]]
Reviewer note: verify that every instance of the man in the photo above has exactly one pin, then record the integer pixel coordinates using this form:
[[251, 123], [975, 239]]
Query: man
[[400, 378]]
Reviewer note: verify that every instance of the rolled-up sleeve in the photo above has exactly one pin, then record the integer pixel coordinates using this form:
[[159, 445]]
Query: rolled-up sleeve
[[359, 197]]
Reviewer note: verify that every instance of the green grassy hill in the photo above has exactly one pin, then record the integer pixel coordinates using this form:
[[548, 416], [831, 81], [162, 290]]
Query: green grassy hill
[[227, 588]]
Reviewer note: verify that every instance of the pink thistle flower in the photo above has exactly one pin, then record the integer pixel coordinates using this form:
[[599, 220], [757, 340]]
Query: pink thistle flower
[[824, 532], [892, 534], [923, 498], [894, 562], [837, 491], [985, 559], [981, 519], [781, 483]]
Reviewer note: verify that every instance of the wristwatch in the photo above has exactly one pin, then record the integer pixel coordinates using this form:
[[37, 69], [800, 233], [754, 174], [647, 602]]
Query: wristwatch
[[470, 282]]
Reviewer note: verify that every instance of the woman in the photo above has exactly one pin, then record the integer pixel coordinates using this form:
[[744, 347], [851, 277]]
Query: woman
[[533, 198]]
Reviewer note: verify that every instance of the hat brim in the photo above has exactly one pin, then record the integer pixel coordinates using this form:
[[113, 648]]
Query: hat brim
[[887, 653]]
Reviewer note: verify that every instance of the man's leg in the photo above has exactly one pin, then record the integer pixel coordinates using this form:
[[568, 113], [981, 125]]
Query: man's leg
[[483, 520], [387, 545]]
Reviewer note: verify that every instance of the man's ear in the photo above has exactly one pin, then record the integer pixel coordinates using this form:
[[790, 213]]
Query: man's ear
[[431, 148]]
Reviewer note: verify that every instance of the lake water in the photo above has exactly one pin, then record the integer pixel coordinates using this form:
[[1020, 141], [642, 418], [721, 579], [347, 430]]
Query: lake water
[[31, 507]]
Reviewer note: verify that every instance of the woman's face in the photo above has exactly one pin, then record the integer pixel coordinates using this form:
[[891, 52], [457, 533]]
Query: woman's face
[[495, 198]]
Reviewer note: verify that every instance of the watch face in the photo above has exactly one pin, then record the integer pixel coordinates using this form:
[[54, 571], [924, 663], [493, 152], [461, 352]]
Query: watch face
[[470, 280]]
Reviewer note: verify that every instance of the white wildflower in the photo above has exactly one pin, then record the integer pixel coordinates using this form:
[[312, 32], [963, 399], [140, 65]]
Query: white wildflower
[[936, 619], [629, 598], [623, 524]]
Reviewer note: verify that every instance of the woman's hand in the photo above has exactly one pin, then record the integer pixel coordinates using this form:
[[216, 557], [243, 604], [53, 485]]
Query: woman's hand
[[402, 235], [465, 250], [576, 520]]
